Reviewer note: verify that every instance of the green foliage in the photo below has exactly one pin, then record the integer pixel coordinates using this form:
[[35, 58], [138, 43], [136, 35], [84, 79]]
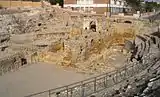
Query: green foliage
[[149, 6], [135, 4], [54, 2]]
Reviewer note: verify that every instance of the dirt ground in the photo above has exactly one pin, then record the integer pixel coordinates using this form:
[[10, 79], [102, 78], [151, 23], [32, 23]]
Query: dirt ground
[[36, 78]]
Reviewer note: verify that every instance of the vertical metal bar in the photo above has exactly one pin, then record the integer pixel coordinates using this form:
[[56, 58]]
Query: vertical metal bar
[[106, 79], [67, 91], [83, 90], [49, 93], [95, 80], [117, 76], [71, 92]]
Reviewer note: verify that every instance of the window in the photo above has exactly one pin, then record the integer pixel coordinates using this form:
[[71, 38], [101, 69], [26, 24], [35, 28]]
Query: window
[[120, 2], [115, 2], [84, 1]]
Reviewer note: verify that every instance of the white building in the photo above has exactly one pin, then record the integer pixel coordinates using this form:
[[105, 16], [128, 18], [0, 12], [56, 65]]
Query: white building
[[98, 6]]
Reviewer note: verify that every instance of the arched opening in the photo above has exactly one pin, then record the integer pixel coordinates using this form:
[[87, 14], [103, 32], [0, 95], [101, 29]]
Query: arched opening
[[93, 26], [39, 24], [129, 22], [23, 61]]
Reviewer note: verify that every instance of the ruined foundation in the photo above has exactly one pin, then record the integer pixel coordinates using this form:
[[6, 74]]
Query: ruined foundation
[[87, 43]]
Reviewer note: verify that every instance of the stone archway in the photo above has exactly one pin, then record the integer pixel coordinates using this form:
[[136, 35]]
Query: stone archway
[[93, 26], [23, 61]]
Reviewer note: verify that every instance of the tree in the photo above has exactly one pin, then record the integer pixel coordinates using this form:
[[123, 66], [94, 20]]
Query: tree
[[54, 2], [149, 6], [135, 4], [140, 5]]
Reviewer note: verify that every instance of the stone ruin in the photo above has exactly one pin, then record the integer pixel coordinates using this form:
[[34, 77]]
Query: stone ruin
[[147, 82], [72, 39], [12, 62], [66, 38]]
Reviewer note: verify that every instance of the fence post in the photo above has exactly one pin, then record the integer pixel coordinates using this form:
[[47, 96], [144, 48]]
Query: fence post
[[95, 80], [106, 79], [49, 93], [67, 91], [116, 76], [83, 90], [71, 92]]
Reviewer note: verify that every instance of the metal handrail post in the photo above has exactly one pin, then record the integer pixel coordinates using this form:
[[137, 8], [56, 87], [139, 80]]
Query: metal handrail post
[[71, 92], [95, 80], [83, 90], [67, 91], [49, 93], [117, 76], [106, 84]]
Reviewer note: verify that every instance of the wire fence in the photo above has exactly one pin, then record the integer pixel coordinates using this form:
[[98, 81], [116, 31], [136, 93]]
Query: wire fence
[[93, 85]]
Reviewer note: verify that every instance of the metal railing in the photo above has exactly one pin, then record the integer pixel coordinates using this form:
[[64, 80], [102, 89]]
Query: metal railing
[[93, 85]]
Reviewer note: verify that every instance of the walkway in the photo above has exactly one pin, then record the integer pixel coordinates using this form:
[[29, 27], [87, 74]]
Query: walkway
[[36, 78]]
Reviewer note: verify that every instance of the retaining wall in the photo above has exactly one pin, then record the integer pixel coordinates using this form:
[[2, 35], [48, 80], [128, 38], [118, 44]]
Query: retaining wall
[[15, 61], [19, 4]]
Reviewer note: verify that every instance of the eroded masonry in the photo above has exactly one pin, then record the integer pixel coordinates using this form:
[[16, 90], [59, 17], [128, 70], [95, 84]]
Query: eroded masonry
[[63, 37], [90, 44]]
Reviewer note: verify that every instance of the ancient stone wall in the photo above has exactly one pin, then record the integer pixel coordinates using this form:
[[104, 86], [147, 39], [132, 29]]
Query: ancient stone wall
[[60, 36], [138, 78], [12, 62]]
